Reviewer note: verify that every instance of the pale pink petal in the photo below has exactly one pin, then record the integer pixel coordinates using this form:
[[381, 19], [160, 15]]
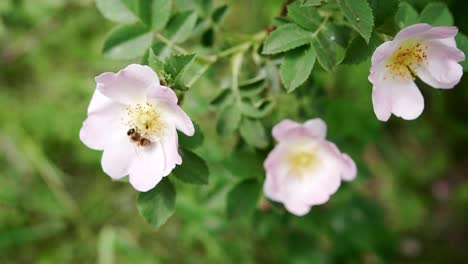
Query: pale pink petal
[[297, 208], [100, 125], [349, 168], [441, 69], [316, 127], [180, 119], [383, 52], [128, 85], [147, 168], [170, 148], [118, 156], [440, 33], [282, 129], [412, 31], [99, 101], [381, 100], [162, 93], [271, 189]]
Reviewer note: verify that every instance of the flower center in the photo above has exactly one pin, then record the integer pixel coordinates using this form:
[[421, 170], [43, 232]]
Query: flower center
[[146, 120], [404, 62], [301, 161]]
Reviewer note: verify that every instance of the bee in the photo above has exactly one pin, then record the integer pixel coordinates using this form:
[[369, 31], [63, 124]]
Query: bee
[[135, 136]]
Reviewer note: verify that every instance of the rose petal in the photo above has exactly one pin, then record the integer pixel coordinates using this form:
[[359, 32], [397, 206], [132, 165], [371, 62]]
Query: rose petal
[[297, 208], [381, 100], [129, 85], [412, 31], [99, 101], [170, 147], [442, 69], [316, 127], [281, 130], [162, 93], [179, 118], [147, 168], [98, 128], [118, 156]]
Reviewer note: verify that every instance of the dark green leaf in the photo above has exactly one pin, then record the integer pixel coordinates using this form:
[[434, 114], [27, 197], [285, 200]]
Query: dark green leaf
[[219, 13], [158, 204], [248, 109], [313, 2], [180, 26], [161, 12], [359, 51], [223, 98], [326, 49], [228, 121], [253, 132], [174, 68], [384, 10], [406, 15], [359, 14], [127, 41], [252, 87], [193, 169], [285, 38], [436, 14], [208, 38], [194, 141], [462, 43], [157, 65], [116, 10], [305, 16], [297, 66], [242, 199]]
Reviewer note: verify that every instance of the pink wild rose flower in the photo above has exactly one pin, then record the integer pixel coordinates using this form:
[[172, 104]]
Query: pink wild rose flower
[[304, 169], [133, 119], [421, 50]]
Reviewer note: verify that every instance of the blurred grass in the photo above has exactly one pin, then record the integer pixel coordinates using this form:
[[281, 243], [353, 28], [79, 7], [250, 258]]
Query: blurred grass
[[408, 203]]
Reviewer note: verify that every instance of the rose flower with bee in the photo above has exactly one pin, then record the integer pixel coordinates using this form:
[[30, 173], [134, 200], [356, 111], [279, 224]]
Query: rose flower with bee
[[134, 120]]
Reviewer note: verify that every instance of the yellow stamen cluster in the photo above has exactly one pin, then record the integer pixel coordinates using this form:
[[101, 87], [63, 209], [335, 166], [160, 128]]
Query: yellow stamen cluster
[[146, 119], [301, 161], [405, 61]]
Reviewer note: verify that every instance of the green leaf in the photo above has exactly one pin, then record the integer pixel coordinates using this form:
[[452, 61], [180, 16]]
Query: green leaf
[[305, 16], [436, 14], [157, 65], [223, 98], [127, 42], [219, 13], [242, 199], [359, 14], [158, 204], [181, 25], [327, 49], [297, 66], [161, 12], [250, 110], [174, 68], [252, 87], [228, 121], [406, 15], [285, 38], [313, 2], [193, 169], [194, 141], [384, 10], [116, 10], [253, 132], [462, 44], [359, 51]]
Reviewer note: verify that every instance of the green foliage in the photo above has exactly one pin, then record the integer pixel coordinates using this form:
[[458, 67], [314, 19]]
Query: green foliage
[[161, 11], [116, 10], [462, 44], [253, 132], [313, 2], [305, 16], [406, 15], [359, 14], [242, 199], [296, 67], [229, 120], [286, 38], [127, 41], [194, 169], [436, 14], [180, 26], [158, 204]]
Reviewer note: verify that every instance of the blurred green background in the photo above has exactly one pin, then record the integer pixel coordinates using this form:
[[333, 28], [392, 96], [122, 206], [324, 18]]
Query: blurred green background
[[409, 203]]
